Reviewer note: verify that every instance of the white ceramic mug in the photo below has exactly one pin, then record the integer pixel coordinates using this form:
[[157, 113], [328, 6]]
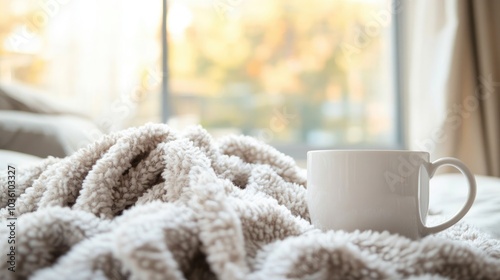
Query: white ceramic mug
[[376, 190]]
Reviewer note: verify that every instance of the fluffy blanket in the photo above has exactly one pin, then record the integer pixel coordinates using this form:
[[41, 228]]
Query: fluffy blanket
[[153, 203]]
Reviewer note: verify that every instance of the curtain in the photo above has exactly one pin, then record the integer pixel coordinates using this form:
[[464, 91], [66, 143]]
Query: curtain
[[453, 80], [104, 56]]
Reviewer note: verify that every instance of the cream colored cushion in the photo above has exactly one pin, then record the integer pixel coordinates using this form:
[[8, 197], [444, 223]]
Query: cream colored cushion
[[20, 97], [44, 135]]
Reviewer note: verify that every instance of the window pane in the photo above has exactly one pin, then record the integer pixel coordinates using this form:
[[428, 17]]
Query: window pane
[[316, 73]]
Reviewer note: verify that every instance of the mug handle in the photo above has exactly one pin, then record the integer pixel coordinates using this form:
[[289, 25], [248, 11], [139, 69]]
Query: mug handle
[[431, 169]]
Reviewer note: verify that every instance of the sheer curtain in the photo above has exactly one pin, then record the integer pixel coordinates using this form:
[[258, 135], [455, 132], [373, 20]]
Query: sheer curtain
[[453, 79], [103, 56]]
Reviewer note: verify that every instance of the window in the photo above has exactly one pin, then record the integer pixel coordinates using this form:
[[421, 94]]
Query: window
[[298, 75]]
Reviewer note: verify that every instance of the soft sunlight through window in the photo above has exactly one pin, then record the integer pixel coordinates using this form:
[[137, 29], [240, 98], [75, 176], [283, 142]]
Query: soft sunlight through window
[[296, 74], [316, 74]]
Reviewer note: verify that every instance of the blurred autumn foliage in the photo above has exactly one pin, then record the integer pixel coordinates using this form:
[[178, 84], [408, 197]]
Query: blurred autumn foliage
[[249, 58]]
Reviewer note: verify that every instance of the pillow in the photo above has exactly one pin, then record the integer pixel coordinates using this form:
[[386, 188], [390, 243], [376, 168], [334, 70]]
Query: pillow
[[19, 97], [44, 135]]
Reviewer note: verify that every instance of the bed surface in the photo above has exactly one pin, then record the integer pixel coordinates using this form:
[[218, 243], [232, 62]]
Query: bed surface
[[16, 159], [448, 193]]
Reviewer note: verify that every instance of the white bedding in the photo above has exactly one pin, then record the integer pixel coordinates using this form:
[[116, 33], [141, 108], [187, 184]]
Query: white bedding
[[449, 192], [16, 159]]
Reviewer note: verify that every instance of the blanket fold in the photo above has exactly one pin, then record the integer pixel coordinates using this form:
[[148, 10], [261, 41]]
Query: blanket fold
[[154, 203]]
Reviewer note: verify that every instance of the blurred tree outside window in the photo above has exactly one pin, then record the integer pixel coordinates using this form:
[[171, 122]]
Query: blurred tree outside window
[[317, 73]]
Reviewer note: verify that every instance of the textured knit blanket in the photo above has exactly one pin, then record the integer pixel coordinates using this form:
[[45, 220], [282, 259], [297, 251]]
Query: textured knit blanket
[[153, 203]]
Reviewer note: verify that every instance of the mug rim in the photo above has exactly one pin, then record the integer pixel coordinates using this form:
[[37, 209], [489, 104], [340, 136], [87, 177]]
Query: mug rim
[[366, 151]]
